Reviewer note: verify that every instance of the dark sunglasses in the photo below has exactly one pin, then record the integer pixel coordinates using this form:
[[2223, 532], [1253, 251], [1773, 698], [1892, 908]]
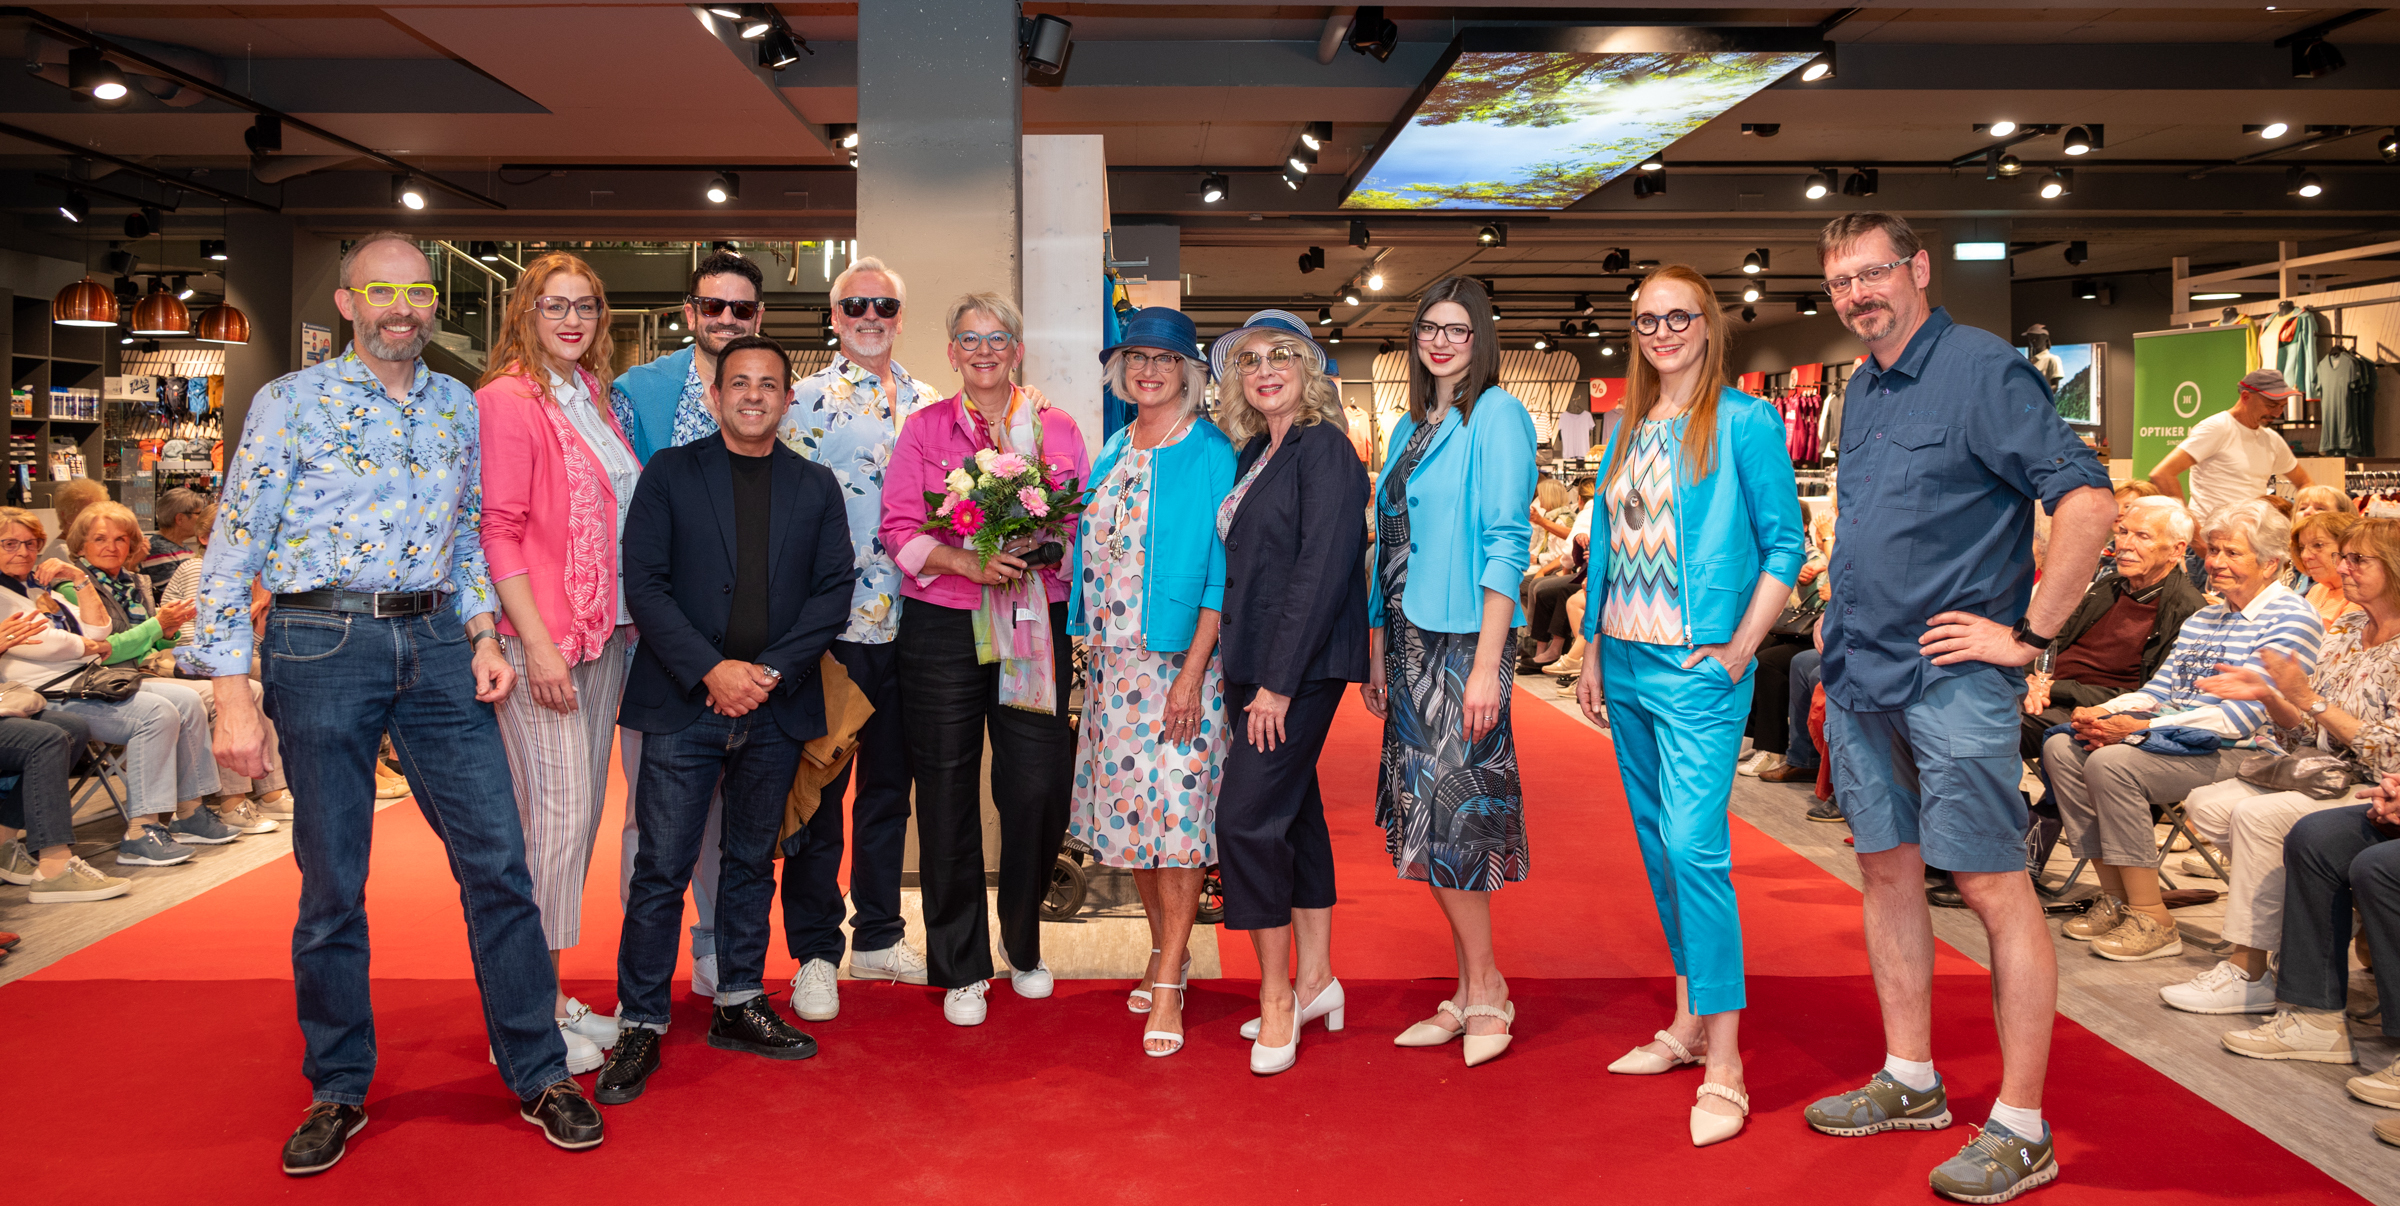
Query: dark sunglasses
[[710, 307], [885, 307]]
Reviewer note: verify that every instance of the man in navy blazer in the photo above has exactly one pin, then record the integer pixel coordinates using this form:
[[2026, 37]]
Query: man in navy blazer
[[737, 567]]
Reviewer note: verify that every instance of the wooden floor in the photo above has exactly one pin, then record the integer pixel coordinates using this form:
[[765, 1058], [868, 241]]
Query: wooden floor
[[2299, 1105]]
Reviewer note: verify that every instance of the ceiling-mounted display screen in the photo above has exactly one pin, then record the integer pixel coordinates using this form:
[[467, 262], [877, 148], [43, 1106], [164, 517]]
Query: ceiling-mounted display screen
[[1540, 119]]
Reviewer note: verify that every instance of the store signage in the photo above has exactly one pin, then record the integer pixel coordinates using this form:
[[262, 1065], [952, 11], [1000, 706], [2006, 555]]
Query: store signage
[[1607, 392], [2180, 378], [1979, 251]]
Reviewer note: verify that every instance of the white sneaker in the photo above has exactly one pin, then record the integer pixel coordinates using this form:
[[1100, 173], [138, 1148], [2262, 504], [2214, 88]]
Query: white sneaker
[[1033, 985], [2288, 1036], [583, 1054], [704, 977], [2193, 864], [2222, 989], [1762, 764], [965, 1006], [277, 807], [602, 1031], [898, 962], [814, 994]]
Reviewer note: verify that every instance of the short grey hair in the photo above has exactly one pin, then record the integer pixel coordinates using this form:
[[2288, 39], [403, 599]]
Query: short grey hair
[[1195, 378], [1000, 308], [358, 248], [2174, 515], [2268, 533], [866, 263], [177, 503]]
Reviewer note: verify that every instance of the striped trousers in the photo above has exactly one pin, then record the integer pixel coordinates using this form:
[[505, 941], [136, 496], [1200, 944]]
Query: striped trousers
[[560, 764]]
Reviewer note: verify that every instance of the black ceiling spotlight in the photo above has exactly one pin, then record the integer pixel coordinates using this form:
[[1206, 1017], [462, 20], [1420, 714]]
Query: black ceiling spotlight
[[127, 293], [1373, 33], [2006, 165], [2083, 140], [183, 288], [1821, 184], [1044, 39], [1862, 183], [1566, 326], [406, 193], [121, 262], [75, 208], [1583, 303], [144, 222], [1651, 183], [2086, 288], [1654, 162], [1809, 305], [1762, 129], [93, 77], [2314, 59], [1213, 187], [2300, 182], [1334, 335], [1316, 134], [485, 250], [2059, 183], [1311, 260], [2269, 131], [2077, 252], [2388, 146], [1618, 259], [1819, 68], [264, 135], [755, 21], [1751, 292], [724, 187], [1301, 156], [1633, 289], [842, 136], [1350, 294], [781, 48], [1757, 261], [1541, 343], [1749, 314], [1324, 316], [213, 249], [1294, 177], [1591, 330], [1358, 233], [1492, 234], [731, 12]]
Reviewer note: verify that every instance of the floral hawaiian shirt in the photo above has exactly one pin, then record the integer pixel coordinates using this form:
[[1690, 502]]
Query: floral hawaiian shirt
[[693, 421], [339, 485], [840, 419]]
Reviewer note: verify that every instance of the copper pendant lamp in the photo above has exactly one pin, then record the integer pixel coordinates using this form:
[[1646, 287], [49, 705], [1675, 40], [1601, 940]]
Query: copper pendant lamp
[[86, 303], [223, 323], [161, 313]]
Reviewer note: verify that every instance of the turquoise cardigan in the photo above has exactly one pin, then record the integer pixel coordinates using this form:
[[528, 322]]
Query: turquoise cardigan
[[1185, 567], [1467, 506], [650, 393], [1742, 520]]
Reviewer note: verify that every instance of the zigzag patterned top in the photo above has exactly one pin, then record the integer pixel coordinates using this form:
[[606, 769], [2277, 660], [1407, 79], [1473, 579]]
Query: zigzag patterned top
[[1645, 592]]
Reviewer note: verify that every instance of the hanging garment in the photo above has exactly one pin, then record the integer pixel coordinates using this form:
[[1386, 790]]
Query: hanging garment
[[1575, 435], [2295, 347]]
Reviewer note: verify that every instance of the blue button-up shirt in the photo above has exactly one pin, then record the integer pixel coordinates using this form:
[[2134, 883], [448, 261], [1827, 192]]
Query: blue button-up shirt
[[339, 485], [1943, 456], [841, 419]]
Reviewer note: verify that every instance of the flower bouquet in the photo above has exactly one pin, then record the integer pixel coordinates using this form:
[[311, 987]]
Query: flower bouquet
[[1001, 502]]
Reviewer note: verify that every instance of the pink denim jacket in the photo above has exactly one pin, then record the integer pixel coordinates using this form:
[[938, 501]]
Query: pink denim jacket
[[934, 441]]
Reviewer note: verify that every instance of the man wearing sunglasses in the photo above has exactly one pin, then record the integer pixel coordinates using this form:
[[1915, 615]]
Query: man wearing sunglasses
[[355, 496], [847, 418], [664, 404]]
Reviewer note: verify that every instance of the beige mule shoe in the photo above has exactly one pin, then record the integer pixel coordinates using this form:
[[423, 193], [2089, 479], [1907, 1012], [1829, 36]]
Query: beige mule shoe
[[1482, 1048], [1709, 1127]]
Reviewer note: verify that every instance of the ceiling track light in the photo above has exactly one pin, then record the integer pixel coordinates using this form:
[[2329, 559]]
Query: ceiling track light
[[2009, 165], [1045, 41], [213, 249], [1492, 234], [1750, 292], [1324, 316], [265, 134], [2388, 146], [731, 12], [1633, 289], [2085, 288], [1350, 294], [1818, 69], [1541, 343], [93, 77], [1359, 235], [76, 208], [1591, 330], [144, 222], [2077, 252], [2270, 131], [2082, 140], [1583, 303], [1334, 335], [2300, 182], [2059, 183], [1756, 261], [1651, 183], [1213, 187], [182, 288], [1998, 129], [1294, 177], [754, 23], [724, 187], [1749, 314], [1311, 260], [781, 48], [1653, 163], [1316, 134], [1810, 305], [1301, 156], [1821, 184], [1374, 281], [406, 193], [1372, 33], [1762, 129], [1862, 183], [842, 136], [2314, 59], [485, 250]]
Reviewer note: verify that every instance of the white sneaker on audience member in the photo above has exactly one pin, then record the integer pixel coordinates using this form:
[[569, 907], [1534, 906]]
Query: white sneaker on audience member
[[1762, 764], [898, 962], [966, 1006], [2193, 864], [814, 994], [2222, 989], [2289, 1036], [17, 864], [1033, 985], [2380, 1088], [704, 976], [580, 1019]]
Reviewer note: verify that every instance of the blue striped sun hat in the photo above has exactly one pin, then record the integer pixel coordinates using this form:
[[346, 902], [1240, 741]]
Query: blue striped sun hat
[[1281, 321]]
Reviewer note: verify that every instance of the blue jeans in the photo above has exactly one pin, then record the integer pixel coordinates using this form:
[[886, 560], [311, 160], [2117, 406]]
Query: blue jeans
[[2334, 861], [335, 684], [164, 728], [754, 759], [1807, 668]]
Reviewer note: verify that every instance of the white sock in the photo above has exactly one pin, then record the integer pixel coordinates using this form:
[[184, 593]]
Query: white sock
[[2021, 1122], [1915, 1075]]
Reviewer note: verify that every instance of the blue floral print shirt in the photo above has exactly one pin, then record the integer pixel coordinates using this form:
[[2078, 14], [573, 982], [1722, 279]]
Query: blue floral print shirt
[[841, 419], [338, 485]]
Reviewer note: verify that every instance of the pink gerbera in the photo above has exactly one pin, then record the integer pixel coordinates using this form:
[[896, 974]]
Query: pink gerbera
[[1035, 504], [966, 519]]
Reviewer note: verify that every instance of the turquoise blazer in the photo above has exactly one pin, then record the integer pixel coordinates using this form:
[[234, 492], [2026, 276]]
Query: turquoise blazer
[[649, 393], [1742, 520], [1467, 505], [1186, 562]]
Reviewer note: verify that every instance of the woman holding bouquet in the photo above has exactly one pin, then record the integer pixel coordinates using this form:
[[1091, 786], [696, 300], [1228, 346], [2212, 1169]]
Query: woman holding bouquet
[[1149, 586], [983, 645]]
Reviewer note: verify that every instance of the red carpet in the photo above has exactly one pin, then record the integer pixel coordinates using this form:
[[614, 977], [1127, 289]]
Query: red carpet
[[1052, 1102]]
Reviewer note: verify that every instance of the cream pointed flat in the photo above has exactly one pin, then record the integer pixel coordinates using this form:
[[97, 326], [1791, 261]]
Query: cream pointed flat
[[1709, 1127], [1431, 1032], [1482, 1048], [1639, 1062]]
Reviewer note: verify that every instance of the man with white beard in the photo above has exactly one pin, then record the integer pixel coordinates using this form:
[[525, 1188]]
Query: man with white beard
[[846, 418]]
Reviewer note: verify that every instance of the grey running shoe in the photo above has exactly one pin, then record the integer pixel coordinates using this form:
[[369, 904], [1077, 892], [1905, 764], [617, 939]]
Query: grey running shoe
[[153, 849], [1883, 1104], [17, 864], [1997, 1166], [202, 828], [1827, 812]]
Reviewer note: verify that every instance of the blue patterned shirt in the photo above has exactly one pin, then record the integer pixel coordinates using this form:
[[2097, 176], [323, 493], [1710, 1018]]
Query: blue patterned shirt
[[339, 485], [841, 419], [692, 418]]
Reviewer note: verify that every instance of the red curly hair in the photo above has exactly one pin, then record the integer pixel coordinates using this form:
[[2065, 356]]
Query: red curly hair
[[518, 348]]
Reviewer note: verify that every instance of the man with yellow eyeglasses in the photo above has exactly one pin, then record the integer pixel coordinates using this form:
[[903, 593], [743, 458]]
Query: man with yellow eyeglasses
[[355, 496]]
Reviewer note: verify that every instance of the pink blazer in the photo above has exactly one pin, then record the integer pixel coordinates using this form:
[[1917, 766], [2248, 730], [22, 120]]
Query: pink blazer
[[549, 513], [934, 441]]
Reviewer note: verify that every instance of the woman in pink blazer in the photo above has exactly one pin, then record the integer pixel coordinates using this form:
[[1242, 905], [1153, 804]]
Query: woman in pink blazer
[[557, 478]]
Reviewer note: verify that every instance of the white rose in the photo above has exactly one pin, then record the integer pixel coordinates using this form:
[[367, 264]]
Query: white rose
[[959, 482], [984, 458]]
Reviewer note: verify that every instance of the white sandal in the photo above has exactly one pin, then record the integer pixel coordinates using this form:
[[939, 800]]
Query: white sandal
[[1638, 1062], [1708, 1127], [1144, 993], [1166, 1035]]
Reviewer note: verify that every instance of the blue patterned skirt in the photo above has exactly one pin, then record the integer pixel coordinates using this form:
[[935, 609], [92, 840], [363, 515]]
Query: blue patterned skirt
[[1453, 814]]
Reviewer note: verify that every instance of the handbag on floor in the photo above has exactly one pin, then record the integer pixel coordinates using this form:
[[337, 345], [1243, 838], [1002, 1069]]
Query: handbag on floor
[[104, 684]]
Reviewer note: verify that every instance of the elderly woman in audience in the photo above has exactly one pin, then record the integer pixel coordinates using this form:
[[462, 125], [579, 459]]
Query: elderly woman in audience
[[2318, 500], [1295, 638], [2351, 708], [2317, 541], [1149, 592], [2105, 788], [163, 726], [181, 516]]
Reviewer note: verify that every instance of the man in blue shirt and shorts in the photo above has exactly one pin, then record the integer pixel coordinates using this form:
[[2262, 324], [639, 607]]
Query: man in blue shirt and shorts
[[1949, 439]]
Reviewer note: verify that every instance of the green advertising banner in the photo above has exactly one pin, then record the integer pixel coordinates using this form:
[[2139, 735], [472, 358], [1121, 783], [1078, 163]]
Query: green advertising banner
[[2180, 378]]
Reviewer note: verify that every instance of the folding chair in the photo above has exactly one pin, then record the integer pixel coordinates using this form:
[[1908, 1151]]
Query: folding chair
[[102, 763], [2179, 822]]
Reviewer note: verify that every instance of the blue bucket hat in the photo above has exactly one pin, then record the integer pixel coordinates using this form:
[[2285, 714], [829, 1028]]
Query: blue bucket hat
[[1280, 321], [1160, 327]]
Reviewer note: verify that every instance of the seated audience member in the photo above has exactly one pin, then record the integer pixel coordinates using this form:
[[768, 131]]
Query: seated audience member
[[239, 795], [2106, 787], [2122, 630], [68, 501], [2317, 500], [2316, 556], [2347, 708], [2132, 492], [37, 821], [1784, 752], [181, 516], [2335, 861]]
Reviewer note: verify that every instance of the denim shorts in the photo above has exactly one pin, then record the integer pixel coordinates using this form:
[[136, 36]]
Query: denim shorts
[[1941, 773]]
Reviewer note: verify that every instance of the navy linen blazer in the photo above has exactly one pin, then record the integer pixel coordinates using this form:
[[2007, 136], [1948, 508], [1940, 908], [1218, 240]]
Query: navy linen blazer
[[679, 565], [1295, 565]]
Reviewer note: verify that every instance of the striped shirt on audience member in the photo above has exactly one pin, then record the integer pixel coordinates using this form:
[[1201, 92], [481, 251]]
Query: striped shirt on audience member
[[2217, 635]]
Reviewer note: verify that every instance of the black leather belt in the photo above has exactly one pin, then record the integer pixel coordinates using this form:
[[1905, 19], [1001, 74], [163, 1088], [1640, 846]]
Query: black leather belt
[[367, 603]]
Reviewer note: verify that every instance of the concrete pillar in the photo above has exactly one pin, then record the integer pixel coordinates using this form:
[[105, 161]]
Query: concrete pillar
[[1066, 225], [939, 120], [258, 281]]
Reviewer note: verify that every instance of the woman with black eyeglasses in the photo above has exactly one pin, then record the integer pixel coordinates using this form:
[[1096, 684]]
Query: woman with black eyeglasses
[[1695, 544], [558, 477]]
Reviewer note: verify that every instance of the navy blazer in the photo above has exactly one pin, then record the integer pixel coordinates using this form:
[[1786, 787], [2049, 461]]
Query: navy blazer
[[1295, 565], [679, 564]]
